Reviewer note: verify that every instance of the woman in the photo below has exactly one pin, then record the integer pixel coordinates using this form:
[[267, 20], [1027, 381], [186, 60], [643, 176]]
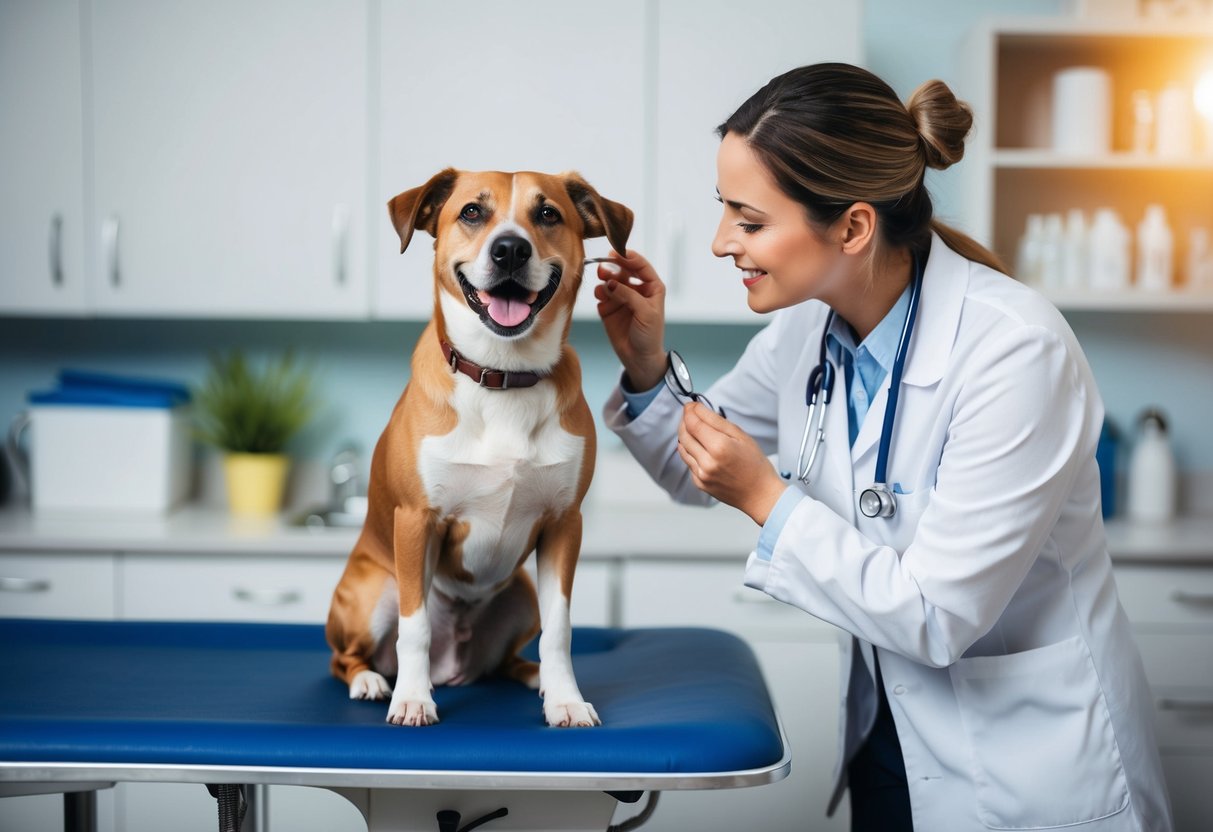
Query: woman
[[991, 680]]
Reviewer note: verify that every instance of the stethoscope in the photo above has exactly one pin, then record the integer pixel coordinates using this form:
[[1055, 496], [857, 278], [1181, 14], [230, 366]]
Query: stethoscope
[[876, 500]]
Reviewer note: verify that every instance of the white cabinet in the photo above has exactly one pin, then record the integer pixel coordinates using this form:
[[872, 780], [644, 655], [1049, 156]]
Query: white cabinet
[[57, 586], [547, 86], [228, 154], [1171, 609], [41, 166], [710, 57], [799, 657], [1012, 170], [228, 588]]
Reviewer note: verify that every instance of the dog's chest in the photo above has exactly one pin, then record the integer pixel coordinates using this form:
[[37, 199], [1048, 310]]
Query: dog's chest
[[507, 462]]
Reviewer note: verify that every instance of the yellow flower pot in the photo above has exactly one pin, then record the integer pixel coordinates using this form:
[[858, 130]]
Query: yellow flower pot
[[255, 482]]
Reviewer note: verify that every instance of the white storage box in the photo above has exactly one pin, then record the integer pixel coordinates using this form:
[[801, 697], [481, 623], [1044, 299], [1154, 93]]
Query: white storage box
[[109, 448]]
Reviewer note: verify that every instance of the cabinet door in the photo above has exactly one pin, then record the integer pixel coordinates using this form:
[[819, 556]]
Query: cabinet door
[[229, 155], [41, 158], [711, 56], [799, 658], [546, 85], [44, 585]]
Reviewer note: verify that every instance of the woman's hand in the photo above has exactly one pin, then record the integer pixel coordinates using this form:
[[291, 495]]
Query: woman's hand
[[631, 303], [727, 463]]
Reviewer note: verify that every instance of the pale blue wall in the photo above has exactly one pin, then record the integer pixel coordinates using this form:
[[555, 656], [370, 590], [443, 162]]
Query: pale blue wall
[[361, 367]]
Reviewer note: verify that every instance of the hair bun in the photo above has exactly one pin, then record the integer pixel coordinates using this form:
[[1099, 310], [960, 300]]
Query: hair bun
[[942, 121]]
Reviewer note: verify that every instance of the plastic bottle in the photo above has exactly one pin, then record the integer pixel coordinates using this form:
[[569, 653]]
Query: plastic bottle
[[1050, 251], [1027, 256], [1108, 263], [1074, 251], [1200, 262], [1154, 246], [1152, 474]]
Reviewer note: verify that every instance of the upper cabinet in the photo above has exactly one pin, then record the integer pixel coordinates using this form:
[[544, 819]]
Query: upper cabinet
[[231, 159], [710, 57], [228, 155], [1072, 117], [41, 159], [548, 86]]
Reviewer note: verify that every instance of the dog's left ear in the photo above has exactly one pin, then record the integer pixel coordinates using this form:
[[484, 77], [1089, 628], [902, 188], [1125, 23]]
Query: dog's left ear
[[600, 215], [419, 207]]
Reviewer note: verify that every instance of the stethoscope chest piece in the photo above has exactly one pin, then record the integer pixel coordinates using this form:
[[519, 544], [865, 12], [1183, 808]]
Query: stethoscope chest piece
[[877, 501]]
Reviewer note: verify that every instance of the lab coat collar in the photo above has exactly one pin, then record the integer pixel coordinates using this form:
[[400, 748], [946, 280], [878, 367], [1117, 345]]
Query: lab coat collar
[[944, 283]]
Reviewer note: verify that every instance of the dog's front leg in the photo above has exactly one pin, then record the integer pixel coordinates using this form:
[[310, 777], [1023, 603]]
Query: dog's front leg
[[412, 698], [558, 547]]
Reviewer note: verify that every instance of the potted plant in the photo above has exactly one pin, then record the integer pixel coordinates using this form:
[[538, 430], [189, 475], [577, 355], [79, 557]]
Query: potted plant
[[250, 416]]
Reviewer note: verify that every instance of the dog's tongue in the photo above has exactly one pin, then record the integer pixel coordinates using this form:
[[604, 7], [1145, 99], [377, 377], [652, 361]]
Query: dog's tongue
[[506, 311]]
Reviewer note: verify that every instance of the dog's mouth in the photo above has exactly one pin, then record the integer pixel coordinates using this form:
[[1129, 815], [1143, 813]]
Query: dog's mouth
[[508, 308]]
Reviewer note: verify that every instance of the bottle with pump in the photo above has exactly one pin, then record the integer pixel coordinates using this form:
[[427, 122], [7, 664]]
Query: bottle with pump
[[1152, 474]]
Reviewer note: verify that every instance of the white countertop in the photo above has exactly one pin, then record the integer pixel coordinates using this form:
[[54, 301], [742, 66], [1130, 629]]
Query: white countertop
[[611, 531]]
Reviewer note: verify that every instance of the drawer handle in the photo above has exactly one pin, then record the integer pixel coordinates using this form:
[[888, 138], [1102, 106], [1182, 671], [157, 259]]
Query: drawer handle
[[1188, 705], [1196, 599], [24, 585], [268, 597]]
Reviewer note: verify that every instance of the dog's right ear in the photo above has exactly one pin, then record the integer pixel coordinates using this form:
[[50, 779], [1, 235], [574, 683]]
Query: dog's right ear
[[419, 207]]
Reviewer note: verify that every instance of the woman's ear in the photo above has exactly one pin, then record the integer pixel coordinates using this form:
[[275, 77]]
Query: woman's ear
[[858, 227]]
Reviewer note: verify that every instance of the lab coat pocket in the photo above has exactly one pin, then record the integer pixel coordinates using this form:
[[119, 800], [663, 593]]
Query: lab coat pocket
[[1040, 738]]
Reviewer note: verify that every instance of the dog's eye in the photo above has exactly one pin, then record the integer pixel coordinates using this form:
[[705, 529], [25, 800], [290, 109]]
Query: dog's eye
[[470, 213], [549, 215]]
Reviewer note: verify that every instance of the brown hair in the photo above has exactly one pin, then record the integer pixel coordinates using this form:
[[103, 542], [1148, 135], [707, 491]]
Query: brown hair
[[833, 134]]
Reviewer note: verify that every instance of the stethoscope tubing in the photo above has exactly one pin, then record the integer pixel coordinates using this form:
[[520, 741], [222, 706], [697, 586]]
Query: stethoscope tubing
[[820, 387]]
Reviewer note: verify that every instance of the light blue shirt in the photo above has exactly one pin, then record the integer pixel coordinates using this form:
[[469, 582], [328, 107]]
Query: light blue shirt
[[871, 361]]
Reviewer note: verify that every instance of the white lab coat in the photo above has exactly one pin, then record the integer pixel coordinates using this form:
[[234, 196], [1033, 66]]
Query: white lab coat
[[1017, 690]]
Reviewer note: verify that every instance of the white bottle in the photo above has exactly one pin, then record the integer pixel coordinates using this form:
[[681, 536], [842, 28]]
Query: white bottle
[[1152, 475], [1108, 260], [1074, 251], [1027, 257], [1200, 262], [1050, 251], [1154, 244]]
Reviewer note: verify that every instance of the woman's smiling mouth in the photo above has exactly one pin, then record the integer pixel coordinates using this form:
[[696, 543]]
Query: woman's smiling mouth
[[751, 276]]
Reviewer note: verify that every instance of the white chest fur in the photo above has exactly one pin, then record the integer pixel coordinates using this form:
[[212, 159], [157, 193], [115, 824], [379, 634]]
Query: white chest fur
[[506, 463]]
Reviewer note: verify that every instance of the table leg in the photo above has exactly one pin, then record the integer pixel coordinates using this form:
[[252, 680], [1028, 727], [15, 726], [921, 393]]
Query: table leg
[[257, 818], [80, 812]]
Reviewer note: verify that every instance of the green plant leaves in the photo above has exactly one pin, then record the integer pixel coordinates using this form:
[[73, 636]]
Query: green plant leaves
[[243, 410]]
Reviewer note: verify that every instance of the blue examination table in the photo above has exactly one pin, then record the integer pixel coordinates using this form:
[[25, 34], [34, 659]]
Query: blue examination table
[[86, 704]]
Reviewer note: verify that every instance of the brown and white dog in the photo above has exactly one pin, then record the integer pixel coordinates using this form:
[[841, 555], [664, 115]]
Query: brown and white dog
[[486, 457]]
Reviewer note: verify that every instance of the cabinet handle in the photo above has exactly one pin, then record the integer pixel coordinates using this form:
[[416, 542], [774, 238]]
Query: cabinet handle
[[341, 235], [56, 250], [1196, 599], [1186, 705], [26, 585], [267, 597], [109, 239]]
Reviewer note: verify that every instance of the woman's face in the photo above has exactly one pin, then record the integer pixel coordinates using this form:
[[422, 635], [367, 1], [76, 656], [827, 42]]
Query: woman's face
[[783, 260]]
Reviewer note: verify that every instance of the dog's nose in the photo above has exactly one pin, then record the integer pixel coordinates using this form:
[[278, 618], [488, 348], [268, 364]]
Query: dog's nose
[[510, 252]]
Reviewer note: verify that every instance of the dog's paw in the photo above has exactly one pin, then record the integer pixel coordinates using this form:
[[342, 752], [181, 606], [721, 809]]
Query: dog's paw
[[414, 712], [368, 684], [570, 715]]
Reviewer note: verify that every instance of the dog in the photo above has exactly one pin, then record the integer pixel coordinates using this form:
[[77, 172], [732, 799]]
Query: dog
[[486, 457]]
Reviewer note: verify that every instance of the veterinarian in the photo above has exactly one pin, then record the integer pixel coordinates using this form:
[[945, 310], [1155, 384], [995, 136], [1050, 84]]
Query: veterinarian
[[938, 501]]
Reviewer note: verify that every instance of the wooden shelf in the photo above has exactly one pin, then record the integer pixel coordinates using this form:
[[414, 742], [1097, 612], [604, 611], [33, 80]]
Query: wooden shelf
[[1043, 158], [1131, 301]]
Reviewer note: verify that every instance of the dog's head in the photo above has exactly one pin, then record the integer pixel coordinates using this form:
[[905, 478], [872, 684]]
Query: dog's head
[[509, 245]]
